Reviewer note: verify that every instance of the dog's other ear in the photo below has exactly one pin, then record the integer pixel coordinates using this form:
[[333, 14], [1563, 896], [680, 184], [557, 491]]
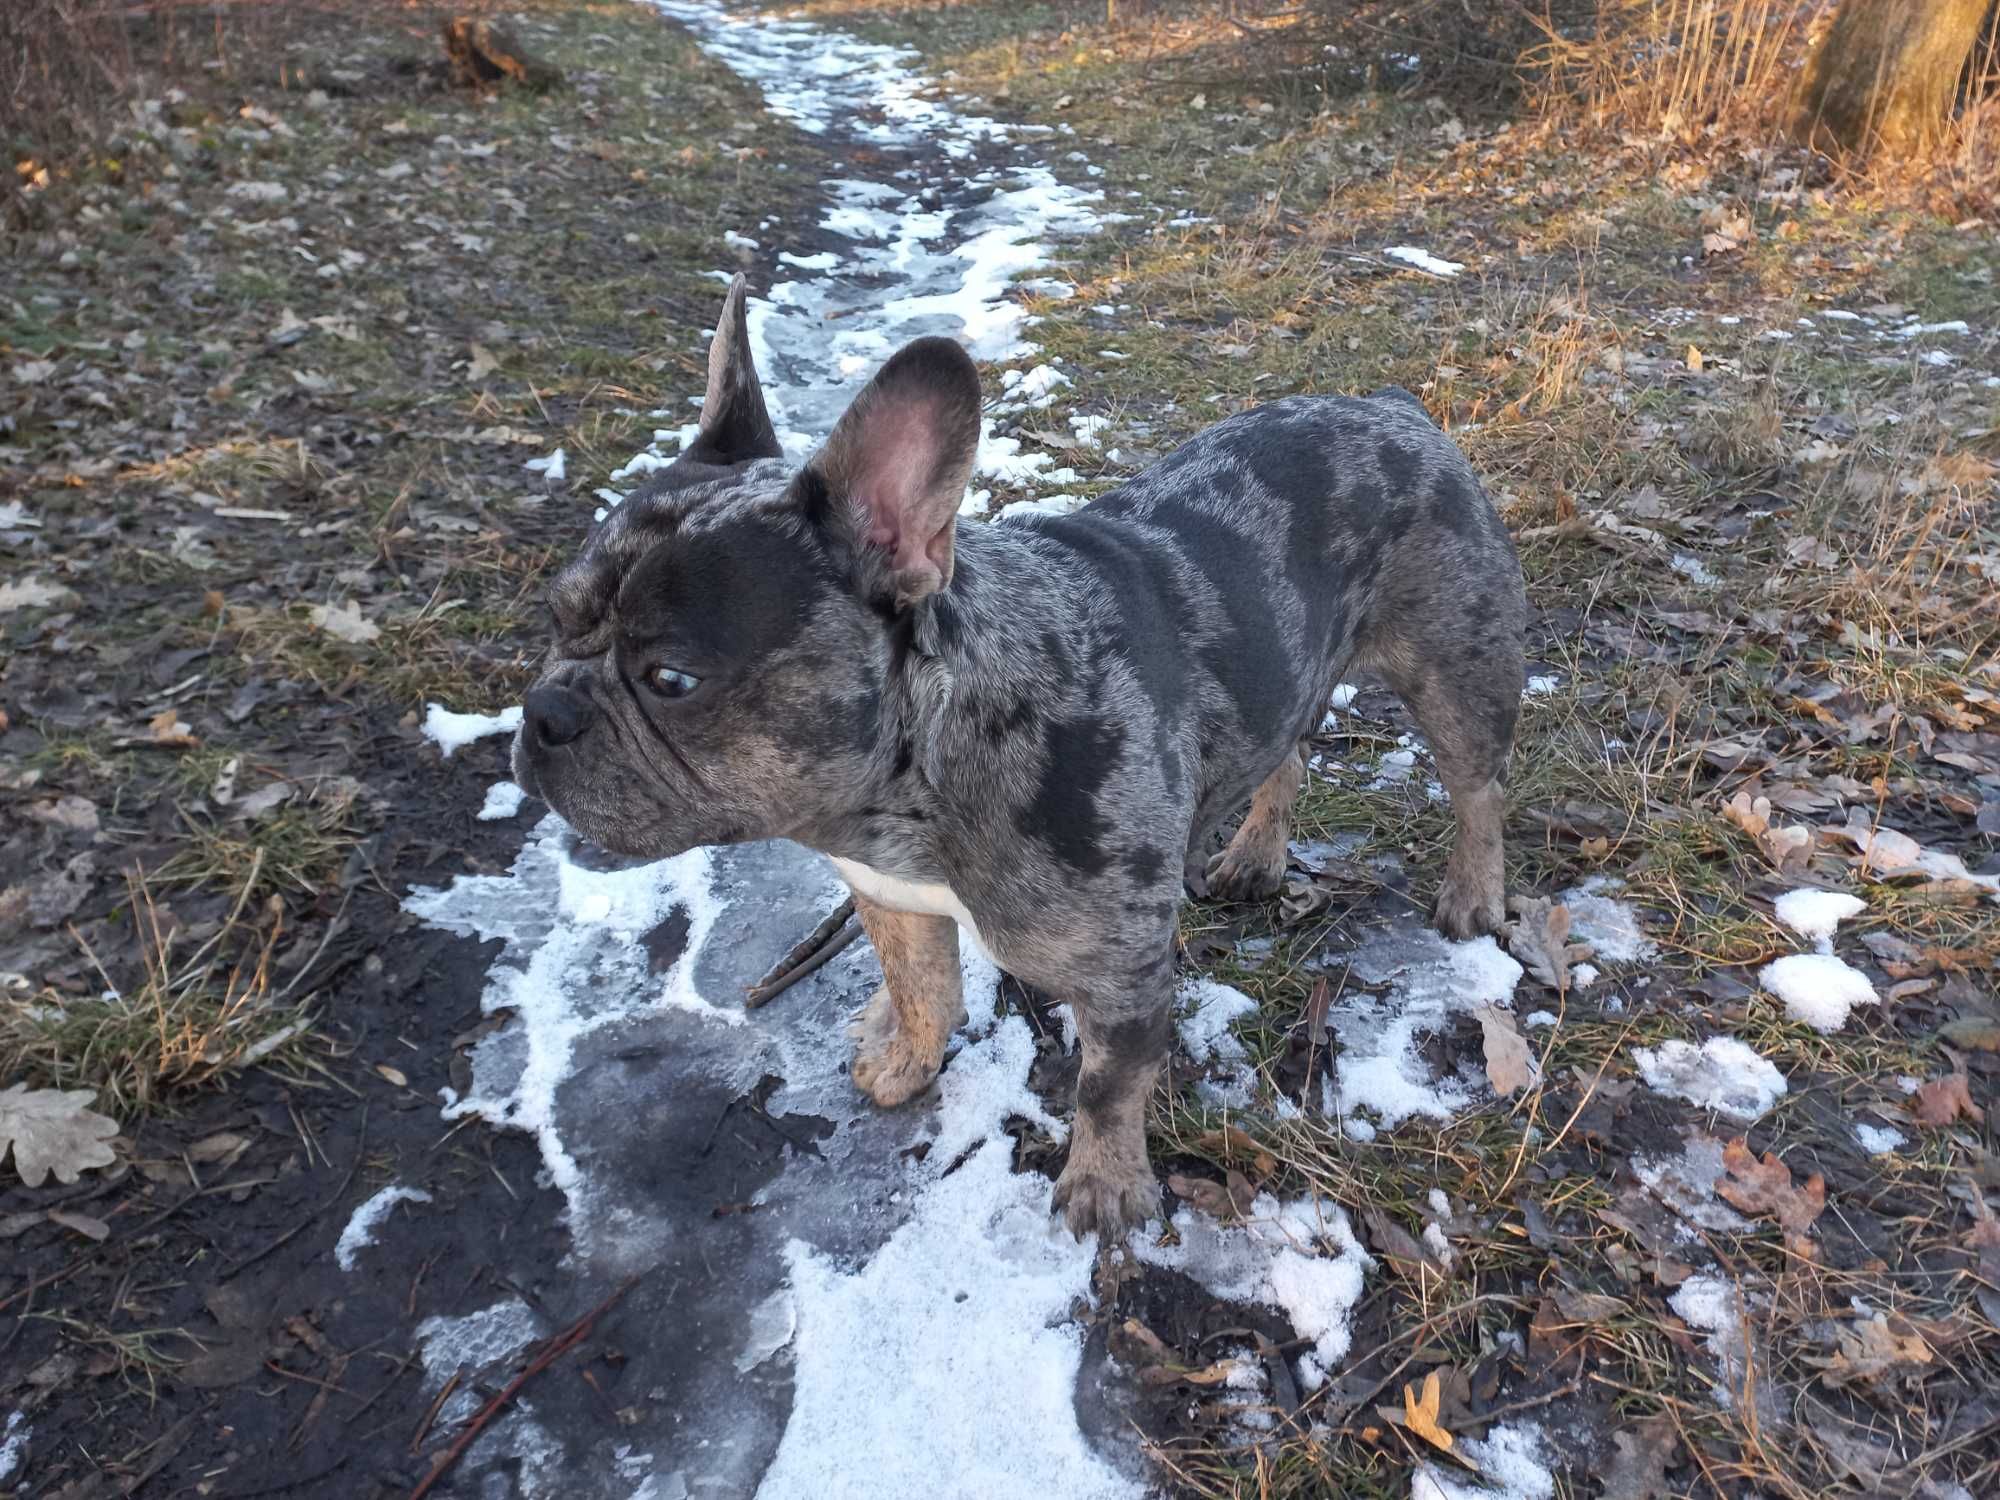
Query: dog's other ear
[[894, 471], [734, 426]]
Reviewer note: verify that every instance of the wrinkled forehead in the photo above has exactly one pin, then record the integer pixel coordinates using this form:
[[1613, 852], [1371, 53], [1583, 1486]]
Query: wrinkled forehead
[[672, 507]]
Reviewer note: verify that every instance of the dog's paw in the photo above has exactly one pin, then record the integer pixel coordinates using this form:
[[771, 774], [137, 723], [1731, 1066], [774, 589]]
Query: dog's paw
[[1467, 908], [1237, 875], [1106, 1198], [890, 1066]]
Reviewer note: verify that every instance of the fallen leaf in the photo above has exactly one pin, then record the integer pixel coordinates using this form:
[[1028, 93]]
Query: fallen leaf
[[1420, 1415], [481, 364], [52, 1130], [261, 801], [1943, 1100], [167, 728], [33, 593], [1539, 938], [78, 814], [1396, 1244], [1510, 1067], [1875, 1351], [1638, 1470], [1764, 1188], [84, 1224], [394, 1075], [1786, 846], [1972, 1033], [343, 621]]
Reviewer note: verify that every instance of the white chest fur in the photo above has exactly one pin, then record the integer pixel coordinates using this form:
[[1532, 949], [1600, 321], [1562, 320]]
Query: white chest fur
[[898, 894]]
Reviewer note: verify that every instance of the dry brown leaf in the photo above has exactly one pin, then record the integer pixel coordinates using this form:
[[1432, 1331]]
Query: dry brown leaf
[[1510, 1067], [1225, 1202], [87, 1225], [1396, 1244], [1420, 1414], [1786, 846], [53, 1130], [1874, 1350], [1539, 938], [1764, 1188], [166, 728], [1638, 1471], [393, 1075], [1944, 1100]]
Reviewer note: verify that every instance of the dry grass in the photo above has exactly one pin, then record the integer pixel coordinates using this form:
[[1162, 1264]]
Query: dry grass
[[200, 1007]]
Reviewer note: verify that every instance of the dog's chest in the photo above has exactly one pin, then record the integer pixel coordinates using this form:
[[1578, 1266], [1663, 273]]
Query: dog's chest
[[931, 899]]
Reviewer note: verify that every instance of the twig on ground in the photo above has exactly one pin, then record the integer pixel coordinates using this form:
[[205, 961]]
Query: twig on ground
[[820, 946], [568, 1339]]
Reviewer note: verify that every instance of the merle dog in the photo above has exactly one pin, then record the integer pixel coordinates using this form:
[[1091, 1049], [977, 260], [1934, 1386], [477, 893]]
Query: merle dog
[[1030, 729]]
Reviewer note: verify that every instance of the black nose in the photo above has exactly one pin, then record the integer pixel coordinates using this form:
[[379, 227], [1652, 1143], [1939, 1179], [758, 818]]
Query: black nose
[[556, 715]]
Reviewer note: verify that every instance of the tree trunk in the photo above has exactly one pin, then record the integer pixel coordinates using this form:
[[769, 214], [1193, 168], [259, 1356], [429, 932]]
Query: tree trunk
[[1884, 77], [482, 54]]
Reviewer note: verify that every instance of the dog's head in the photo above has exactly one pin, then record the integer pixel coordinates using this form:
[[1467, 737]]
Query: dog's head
[[724, 638]]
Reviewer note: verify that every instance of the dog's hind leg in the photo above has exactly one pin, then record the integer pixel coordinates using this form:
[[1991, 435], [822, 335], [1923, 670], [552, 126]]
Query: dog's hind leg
[[900, 1035], [1252, 868], [1468, 719]]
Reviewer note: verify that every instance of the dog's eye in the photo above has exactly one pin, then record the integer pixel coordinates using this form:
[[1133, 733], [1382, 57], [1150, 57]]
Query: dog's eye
[[671, 684]]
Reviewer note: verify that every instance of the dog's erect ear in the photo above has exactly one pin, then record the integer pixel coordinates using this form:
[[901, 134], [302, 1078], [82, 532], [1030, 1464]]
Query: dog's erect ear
[[894, 470], [734, 426]]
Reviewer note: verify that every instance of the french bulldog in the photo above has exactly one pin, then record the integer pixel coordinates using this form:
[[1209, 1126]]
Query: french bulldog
[[1031, 729]]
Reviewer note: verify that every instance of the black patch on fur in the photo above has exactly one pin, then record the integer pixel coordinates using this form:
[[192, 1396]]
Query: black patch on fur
[[1398, 464], [1115, 1055], [1082, 753], [719, 602], [1145, 863], [1247, 657]]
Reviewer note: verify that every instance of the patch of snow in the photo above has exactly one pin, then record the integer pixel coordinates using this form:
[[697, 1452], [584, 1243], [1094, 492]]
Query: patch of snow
[[773, 1323], [1686, 1184], [448, 1345], [1379, 1065], [1610, 926], [14, 1443], [1815, 914], [1513, 1460], [1393, 769], [1722, 1074], [1423, 260], [737, 241], [825, 260], [1713, 1304], [1582, 976], [985, 1084], [1540, 687], [1819, 989], [450, 731], [1879, 1140], [569, 968], [360, 1230], [1204, 1025], [1048, 505], [1692, 569], [964, 1312], [1300, 1257], [503, 800], [553, 468]]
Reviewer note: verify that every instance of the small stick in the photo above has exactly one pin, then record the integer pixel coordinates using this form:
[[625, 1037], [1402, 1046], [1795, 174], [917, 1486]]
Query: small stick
[[570, 1337], [821, 945]]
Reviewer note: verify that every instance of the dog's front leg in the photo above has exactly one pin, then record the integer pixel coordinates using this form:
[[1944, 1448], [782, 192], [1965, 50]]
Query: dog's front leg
[[900, 1036], [1108, 1185]]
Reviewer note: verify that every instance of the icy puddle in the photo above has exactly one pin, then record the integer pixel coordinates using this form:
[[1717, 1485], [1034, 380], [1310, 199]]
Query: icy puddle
[[836, 1300]]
